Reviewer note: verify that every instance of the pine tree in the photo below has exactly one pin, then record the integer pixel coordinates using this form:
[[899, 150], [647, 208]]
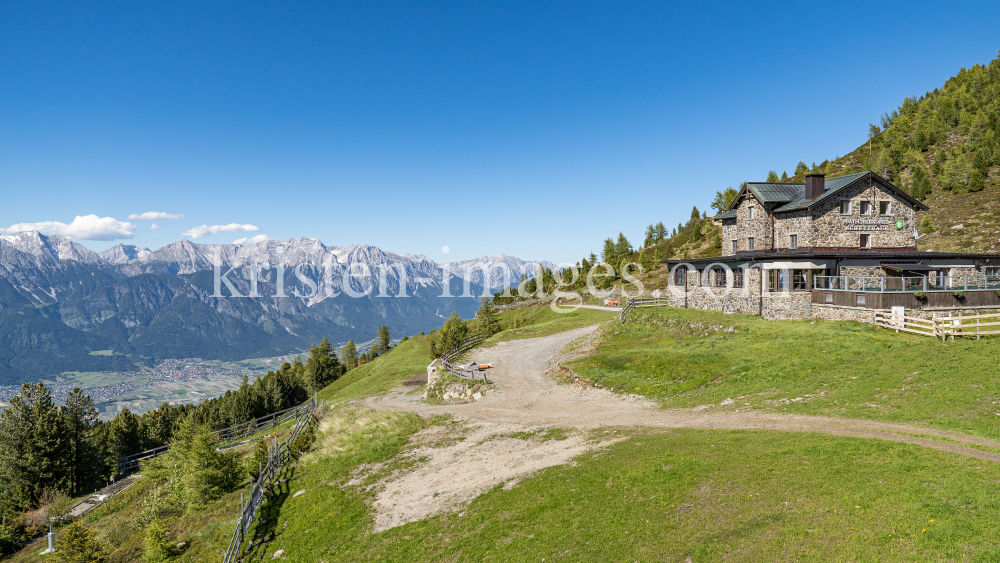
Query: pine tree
[[80, 545], [661, 232], [79, 418], [650, 236], [322, 366], [801, 168], [32, 447], [383, 340], [349, 354], [608, 253], [772, 176], [784, 176], [920, 182], [623, 248], [695, 214], [156, 548], [489, 324]]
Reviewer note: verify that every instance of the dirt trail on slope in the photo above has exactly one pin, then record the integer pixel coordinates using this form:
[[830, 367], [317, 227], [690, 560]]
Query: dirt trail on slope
[[526, 398]]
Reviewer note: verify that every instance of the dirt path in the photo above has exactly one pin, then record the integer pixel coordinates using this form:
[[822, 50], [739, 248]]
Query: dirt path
[[526, 398]]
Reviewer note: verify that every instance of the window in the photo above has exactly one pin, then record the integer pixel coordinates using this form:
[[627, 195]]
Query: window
[[845, 207], [793, 241], [738, 277], [734, 247], [750, 213], [829, 297], [720, 277], [861, 299], [749, 243], [866, 208], [680, 277], [992, 271], [866, 241], [883, 208], [777, 280], [798, 280]]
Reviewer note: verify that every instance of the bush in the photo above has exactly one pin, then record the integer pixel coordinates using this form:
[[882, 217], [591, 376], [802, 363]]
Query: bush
[[194, 471], [156, 548], [80, 545]]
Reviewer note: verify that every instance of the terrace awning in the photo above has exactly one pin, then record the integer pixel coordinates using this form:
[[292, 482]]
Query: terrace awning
[[909, 267]]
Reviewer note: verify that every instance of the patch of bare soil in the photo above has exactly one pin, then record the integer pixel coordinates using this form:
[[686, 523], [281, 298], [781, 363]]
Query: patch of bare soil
[[527, 398]]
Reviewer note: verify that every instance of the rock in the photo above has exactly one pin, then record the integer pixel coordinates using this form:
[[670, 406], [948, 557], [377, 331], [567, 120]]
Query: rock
[[182, 546], [302, 492], [477, 396], [278, 554], [727, 402]]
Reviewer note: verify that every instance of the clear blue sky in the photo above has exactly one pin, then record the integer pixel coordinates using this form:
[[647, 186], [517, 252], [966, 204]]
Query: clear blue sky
[[532, 128]]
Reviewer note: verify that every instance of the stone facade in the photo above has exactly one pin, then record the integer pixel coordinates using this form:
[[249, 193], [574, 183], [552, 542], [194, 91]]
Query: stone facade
[[824, 225], [830, 228], [742, 228]]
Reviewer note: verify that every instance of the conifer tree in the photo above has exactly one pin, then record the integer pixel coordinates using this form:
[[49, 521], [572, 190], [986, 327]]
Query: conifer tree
[[383, 339], [80, 545], [801, 168], [489, 324], [322, 366], [349, 355], [695, 214], [661, 232], [772, 176], [32, 447], [156, 549], [79, 418]]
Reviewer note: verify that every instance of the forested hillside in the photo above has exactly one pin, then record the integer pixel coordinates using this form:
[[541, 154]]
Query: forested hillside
[[942, 147]]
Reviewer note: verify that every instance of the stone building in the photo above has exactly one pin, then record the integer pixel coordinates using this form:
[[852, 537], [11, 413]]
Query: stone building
[[837, 248]]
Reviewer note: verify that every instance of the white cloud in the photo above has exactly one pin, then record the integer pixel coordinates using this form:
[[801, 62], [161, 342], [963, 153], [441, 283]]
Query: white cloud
[[156, 215], [205, 230], [86, 227], [252, 240], [154, 226]]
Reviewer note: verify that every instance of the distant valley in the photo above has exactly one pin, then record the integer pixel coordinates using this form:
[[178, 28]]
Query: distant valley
[[66, 308]]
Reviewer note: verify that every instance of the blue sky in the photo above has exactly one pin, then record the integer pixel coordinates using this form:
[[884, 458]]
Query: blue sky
[[532, 128]]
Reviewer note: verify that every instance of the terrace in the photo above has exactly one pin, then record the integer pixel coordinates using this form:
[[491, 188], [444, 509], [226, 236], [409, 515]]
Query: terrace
[[912, 292]]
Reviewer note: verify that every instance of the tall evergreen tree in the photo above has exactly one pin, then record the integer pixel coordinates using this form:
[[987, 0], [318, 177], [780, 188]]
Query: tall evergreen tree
[[349, 355], [79, 419], [695, 214], [382, 340], [608, 253], [489, 324], [801, 168], [322, 367], [661, 232], [32, 447], [772, 176]]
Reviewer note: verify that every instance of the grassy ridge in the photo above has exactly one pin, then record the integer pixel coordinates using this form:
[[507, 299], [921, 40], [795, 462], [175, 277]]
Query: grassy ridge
[[845, 369]]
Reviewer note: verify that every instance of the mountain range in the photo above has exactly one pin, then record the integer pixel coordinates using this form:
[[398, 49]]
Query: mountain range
[[61, 302]]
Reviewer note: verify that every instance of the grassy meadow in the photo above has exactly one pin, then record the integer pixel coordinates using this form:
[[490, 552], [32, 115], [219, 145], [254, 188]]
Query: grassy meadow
[[688, 358]]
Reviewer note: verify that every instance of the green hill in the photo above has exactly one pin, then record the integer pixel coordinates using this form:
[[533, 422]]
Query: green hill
[[942, 147]]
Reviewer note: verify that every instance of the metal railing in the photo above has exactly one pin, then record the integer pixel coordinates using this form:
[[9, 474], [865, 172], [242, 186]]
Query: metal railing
[[277, 454], [907, 284]]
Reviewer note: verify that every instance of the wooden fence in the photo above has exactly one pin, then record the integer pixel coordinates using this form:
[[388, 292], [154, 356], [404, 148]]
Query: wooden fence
[[944, 327], [462, 347], [227, 437], [277, 454], [640, 302]]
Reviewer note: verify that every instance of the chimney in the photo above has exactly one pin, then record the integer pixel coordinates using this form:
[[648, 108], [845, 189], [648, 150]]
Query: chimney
[[815, 184]]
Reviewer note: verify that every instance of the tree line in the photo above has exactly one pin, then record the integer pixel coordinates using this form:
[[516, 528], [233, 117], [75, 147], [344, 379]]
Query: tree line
[[49, 450]]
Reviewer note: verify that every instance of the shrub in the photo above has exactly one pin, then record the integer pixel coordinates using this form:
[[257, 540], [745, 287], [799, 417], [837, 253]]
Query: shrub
[[155, 545], [80, 545], [960, 295], [920, 295]]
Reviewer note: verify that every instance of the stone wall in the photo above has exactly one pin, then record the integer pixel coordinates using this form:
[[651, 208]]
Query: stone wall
[[830, 228], [759, 228], [794, 223], [787, 305]]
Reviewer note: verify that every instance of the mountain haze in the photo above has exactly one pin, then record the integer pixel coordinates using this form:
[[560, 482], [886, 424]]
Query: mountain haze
[[60, 301]]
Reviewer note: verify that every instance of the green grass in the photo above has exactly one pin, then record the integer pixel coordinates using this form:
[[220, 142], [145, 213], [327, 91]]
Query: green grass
[[535, 322], [374, 378], [688, 358], [710, 495]]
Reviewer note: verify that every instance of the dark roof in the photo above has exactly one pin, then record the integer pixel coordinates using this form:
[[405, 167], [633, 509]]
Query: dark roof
[[774, 192], [784, 254], [907, 267], [731, 214], [793, 196]]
